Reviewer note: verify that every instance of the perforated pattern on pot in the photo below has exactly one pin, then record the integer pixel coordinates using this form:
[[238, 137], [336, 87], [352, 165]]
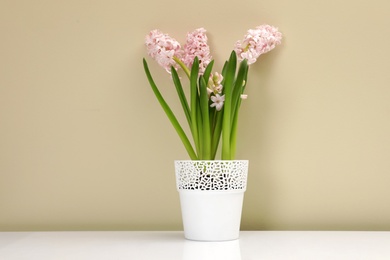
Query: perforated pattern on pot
[[211, 175]]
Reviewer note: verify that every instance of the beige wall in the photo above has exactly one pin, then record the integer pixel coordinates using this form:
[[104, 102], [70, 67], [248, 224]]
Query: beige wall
[[84, 144]]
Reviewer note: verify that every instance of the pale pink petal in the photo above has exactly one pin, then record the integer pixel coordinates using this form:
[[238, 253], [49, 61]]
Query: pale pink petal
[[163, 48], [256, 42], [196, 46]]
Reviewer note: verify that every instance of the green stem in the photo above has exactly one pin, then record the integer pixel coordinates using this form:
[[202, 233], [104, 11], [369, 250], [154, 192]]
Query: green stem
[[182, 65]]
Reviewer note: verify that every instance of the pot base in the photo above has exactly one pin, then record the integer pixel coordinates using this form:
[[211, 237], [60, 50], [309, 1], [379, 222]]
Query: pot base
[[211, 215]]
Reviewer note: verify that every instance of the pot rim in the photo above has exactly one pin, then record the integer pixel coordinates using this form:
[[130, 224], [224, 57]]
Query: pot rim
[[211, 191]]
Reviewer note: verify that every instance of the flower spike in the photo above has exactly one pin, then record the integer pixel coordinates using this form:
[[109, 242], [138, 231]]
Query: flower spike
[[162, 48], [257, 42]]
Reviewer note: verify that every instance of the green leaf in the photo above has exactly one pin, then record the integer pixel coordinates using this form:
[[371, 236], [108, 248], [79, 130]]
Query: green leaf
[[170, 114], [182, 97], [200, 129], [207, 72], [228, 88], [204, 106], [224, 68], [194, 102], [239, 86]]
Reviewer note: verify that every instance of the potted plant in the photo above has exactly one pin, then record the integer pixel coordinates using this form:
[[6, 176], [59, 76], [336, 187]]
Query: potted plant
[[211, 190]]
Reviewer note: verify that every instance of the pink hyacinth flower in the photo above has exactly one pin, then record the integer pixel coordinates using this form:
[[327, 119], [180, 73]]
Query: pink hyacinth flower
[[214, 85], [162, 48], [256, 42], [196, 46], [217, 101]]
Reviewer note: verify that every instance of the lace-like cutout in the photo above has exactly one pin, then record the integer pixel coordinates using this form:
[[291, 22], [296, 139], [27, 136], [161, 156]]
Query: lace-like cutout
[[211, 175]]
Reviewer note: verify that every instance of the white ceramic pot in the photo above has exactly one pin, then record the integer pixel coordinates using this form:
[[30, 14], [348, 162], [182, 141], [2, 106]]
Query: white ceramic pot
[[211, 198]]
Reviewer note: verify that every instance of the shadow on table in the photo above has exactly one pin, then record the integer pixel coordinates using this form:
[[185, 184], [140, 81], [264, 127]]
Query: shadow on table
[[227, 250]]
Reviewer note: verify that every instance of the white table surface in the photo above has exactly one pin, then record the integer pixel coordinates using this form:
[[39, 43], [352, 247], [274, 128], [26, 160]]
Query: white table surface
[[171, 245]]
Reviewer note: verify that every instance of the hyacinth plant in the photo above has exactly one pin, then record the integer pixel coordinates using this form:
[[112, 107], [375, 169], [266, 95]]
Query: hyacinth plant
[[214, 100]]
